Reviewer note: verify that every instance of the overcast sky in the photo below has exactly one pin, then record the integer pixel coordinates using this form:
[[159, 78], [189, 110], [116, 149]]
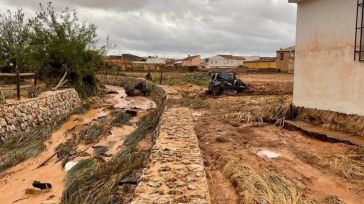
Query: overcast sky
[[175, 28]]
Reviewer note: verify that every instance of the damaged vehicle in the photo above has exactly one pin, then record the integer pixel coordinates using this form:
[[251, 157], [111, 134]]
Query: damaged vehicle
[[139, 89], [225, 82]]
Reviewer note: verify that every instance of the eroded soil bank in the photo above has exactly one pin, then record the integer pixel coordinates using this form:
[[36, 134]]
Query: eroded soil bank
[[15, 181]]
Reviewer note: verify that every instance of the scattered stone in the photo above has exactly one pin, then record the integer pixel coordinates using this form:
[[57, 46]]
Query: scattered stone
[[69, 165], [268, 154], [129, 181], [154, 184], [41, 185]]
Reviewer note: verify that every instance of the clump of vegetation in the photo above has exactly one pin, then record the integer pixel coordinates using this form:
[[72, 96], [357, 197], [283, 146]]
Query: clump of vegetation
[[348, 167], [93, 133], [120, 118], [95, 181], [2, 98], [81, 109], [194, 102], [267, 188], [56, 45], [332, 200], [198, 78], [24, 145], [34, 92]]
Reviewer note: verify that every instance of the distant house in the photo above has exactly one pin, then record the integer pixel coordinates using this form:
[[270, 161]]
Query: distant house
[[261, 63], [285, 59], [122, 59], [151, 61], [225, 61], [192, 61], [329, 64]]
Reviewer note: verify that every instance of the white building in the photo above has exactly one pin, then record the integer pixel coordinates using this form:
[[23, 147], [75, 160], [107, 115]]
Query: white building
[[155, 60], [329, 65], [225, 61]]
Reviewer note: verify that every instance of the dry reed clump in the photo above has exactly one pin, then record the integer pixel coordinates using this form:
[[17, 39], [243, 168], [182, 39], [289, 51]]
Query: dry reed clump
[[348, 167], [270, 112], [332, 200], [270, 188]]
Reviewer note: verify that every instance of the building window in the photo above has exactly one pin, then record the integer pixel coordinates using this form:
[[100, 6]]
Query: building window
[[359, 34], [281, 56]]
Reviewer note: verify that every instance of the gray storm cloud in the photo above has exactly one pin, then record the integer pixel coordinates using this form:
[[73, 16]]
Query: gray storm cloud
[[180, 27]]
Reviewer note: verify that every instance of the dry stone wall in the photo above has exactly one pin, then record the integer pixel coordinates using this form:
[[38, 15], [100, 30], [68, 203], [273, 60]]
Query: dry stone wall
[[46, 108], [175, 171]]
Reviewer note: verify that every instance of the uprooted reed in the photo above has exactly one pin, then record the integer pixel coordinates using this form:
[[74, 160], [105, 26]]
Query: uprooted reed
[[24, 145], [270, 187], [96, 181], [348, 167]]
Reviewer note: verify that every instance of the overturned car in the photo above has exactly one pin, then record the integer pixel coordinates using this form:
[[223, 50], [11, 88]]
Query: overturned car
[[225, 82]]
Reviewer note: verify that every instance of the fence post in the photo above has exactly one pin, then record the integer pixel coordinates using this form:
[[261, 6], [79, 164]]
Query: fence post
[[161, 78], [35, 79], [17, 84]]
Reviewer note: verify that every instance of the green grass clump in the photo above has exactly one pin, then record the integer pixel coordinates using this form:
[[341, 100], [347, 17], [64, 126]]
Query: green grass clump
[[120, 118], [24, 145], [194, 102], [93, 133], [198, 78]]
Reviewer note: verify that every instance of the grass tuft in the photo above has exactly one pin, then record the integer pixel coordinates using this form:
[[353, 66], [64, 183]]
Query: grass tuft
[[348, 167], [24, 145], [120, 118], [267, 188]]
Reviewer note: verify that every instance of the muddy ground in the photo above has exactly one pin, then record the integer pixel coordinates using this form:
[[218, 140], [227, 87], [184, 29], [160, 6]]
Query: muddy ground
[[320, 171], [16, 182]]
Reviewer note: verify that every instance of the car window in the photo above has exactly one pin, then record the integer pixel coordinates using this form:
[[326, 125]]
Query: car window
[[225, 76]]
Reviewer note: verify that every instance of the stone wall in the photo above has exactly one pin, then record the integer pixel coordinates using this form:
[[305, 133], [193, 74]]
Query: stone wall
[[175, 171], [352, 124], [46, 108]]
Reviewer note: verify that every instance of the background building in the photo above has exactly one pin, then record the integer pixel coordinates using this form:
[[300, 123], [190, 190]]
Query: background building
[[285, 59], [192, 61], [261, 63], [225, 61]]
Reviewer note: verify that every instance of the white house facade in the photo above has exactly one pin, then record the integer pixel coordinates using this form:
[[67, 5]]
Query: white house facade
[[329, 64], [225, 61]]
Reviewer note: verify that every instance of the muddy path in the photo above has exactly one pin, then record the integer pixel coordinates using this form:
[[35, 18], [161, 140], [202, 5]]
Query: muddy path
[[15, 181], [305, 161]]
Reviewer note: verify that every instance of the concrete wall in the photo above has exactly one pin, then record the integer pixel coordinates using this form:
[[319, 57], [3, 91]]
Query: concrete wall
[[326, 75], [47, 108]]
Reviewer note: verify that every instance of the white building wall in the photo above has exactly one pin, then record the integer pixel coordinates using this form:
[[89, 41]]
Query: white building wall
[[326, 75], [220, 62], [155, 61]]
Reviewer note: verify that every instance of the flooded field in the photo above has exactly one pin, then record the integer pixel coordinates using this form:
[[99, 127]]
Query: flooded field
[[69, 145]]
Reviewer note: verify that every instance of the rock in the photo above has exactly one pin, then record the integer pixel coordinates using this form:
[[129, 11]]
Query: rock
[[41, 185], [154, 184], [69, 165]]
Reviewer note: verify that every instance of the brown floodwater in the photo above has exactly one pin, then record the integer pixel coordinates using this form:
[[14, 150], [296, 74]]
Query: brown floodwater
[[15, 181]]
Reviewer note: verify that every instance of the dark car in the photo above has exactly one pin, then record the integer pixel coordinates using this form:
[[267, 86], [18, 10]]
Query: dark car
[[221, 82]]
